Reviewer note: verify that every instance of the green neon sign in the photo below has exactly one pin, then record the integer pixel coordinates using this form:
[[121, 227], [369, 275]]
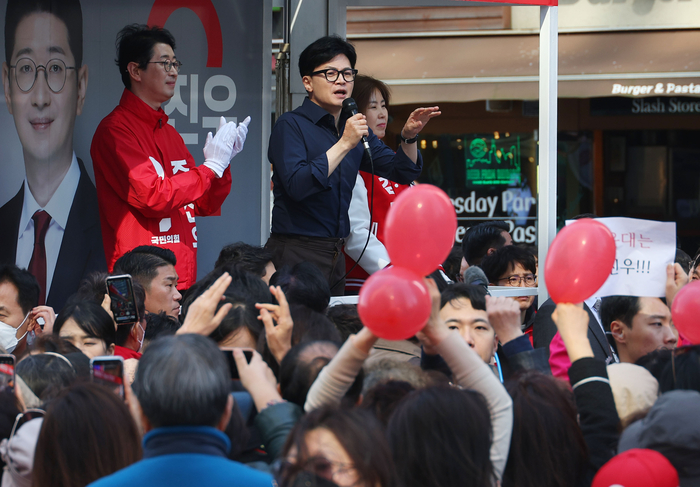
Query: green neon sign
[[494, 161]]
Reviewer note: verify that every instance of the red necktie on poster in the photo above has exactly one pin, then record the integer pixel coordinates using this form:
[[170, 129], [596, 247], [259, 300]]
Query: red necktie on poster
[[37, 266]]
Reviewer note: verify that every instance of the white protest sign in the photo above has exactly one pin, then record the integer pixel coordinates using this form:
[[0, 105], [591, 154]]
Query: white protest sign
[[643, 250]]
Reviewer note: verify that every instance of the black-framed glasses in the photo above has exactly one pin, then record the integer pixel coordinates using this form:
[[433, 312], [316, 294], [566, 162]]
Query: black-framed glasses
[[168, 65], [333, 74], [26, 72], [530, 280]]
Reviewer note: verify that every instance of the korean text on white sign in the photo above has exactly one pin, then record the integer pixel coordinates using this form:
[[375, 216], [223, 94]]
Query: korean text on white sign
[[643, 250]]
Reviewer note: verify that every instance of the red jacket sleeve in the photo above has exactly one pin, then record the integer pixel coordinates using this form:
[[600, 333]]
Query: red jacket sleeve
[[210, 203], [140, 179]]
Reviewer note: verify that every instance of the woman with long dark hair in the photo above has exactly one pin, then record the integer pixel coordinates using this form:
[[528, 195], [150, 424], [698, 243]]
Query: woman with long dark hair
[[547, 448], [88, 433], [440, 436]]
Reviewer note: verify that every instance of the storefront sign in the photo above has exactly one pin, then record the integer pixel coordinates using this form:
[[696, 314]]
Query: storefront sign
[[656, 89], [645, 106]]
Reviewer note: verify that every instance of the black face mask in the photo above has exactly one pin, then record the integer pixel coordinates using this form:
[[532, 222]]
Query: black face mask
[[307, 479]]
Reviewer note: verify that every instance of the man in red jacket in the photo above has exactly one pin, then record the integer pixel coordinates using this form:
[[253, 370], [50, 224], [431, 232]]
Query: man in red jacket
[[149, 188]]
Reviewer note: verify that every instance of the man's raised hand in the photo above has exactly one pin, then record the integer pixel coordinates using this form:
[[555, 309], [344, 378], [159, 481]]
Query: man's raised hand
[[279, 338], [504, 316], [218, 149], [676, 278], [572, 323], [202, 317], [355, 128]]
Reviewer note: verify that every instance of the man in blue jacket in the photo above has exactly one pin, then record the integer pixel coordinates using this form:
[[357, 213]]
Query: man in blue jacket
[[316, 152], [182, 403]]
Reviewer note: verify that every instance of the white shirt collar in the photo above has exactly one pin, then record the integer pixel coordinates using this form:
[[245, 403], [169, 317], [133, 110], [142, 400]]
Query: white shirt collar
[[56, 207]]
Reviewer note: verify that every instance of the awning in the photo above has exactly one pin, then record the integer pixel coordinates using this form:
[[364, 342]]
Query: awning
[[459, 69]]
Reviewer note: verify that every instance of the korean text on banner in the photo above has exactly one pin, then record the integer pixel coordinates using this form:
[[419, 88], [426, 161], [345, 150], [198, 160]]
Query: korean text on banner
[[643, 250]]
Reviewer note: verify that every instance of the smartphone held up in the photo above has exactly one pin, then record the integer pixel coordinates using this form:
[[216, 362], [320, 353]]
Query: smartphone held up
[[109, 371], [121, 293], [7, 372]]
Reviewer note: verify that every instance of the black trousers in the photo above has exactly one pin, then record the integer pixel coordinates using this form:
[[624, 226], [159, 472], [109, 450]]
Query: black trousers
[[324, 253]]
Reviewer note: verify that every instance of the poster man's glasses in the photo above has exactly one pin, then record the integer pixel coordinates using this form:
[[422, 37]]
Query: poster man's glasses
[[26, 72]]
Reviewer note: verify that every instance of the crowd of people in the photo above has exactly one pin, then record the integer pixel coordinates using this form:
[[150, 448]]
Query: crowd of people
[[247, 376], [320, 400]]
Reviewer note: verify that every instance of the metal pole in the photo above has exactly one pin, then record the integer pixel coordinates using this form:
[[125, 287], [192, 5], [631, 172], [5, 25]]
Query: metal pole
[[283, 96], [547, 170]]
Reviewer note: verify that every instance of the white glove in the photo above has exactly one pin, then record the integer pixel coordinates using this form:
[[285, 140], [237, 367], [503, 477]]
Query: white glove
[[241, 133], [218, 150]]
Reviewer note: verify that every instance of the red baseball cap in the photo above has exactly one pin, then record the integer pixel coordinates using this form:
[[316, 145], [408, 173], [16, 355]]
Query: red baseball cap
[[637, 468]]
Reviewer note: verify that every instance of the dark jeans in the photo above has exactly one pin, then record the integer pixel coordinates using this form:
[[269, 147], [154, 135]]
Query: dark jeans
[[324, 253]]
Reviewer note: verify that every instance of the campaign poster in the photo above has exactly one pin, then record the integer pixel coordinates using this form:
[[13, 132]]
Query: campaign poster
[[224, 46]]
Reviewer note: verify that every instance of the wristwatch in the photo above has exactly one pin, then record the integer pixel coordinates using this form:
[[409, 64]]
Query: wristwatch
[[408, 141]]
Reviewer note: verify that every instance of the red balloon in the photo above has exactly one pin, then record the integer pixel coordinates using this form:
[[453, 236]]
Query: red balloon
[[579, 261], [394, 303], [420, 229], [685, 311]]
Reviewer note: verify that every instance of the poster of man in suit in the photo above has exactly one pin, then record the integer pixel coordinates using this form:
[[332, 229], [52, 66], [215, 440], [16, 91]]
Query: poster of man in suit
[[52, 225], [60, 80]]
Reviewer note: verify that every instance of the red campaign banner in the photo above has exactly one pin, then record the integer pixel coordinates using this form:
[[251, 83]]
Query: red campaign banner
[[106, 376], [542, 3], [7, 369], [205, 10]]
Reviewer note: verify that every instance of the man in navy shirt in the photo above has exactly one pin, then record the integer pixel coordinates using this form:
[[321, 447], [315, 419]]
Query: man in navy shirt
[[316, 154]]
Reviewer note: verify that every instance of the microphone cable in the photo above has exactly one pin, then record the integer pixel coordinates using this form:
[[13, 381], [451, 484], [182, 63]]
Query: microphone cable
[[371, 215], [350, 107]]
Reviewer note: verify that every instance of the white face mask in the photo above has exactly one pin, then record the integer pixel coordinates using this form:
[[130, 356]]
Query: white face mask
[[8, 335]]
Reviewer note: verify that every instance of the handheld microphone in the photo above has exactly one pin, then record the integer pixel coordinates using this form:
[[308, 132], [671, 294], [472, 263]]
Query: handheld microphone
[[350, 107], [475, 276]]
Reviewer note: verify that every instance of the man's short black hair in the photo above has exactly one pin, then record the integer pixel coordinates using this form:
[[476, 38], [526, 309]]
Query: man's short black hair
[[300, 368], [498, 263], [160, 324], [684, 260], [475, 294], [323, 50], [345, 318], [67, 11], [480, 238], [143, 263], [622, 308], [26, 284], [246, 257], [245, 290], [135, 45], [303, 284]]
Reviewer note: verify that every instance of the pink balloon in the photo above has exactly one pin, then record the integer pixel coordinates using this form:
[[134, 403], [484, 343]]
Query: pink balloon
[[394, 303], [685, 311], [420, 229], [579, 261]]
